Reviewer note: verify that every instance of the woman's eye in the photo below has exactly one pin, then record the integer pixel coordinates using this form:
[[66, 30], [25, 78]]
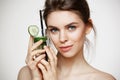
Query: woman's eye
[[53, 30], [71, 28]]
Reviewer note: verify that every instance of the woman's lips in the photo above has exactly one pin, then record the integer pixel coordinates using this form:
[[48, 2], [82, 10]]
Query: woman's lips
[[65, 48]]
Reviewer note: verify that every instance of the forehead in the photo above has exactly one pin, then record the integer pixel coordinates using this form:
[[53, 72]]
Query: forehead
[[57, 18]]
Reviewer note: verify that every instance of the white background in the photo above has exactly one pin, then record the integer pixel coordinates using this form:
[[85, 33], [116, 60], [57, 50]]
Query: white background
[[16, 15]]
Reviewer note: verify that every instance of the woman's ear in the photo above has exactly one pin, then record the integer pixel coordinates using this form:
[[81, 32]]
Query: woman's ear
[[89, 26]]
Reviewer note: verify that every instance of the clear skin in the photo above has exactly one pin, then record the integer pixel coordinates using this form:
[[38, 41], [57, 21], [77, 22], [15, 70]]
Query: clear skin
[[67, 31]]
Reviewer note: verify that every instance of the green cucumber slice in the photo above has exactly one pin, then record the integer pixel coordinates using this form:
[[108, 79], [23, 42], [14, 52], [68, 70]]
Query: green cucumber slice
[[33, 30]]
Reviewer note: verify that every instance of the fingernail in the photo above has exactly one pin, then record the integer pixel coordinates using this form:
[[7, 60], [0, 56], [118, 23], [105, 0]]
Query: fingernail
[[41, 40], [45, 46]]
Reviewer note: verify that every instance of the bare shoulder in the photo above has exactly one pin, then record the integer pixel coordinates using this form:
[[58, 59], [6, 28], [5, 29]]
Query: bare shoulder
[[24, 71], [102, 76]]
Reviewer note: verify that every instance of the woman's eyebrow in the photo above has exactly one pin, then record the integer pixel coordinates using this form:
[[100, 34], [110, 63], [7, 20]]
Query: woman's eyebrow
[[71, 23], [51, 26]]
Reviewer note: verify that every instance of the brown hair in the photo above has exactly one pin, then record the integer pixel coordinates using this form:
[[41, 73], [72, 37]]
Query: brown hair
[[79, 6]]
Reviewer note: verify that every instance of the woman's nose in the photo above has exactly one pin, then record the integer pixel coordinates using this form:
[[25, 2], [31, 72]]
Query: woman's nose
[[63, 37]]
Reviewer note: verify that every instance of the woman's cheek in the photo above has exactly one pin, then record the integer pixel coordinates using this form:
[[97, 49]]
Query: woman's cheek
[[77, 35], [54, 39]]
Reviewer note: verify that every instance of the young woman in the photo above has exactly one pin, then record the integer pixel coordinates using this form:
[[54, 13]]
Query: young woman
[[68, 22]]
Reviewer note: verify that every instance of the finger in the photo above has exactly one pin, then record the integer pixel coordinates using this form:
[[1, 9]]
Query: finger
[[45, 64], [53, 53], [31, 40], [35, 45], [42, 68], [55, 58], [37, 52], [32, 65], [29, 49], [33, 55], [39, 58], [49, 53]]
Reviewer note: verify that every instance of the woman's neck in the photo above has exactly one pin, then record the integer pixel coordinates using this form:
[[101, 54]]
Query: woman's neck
[[71, 65]]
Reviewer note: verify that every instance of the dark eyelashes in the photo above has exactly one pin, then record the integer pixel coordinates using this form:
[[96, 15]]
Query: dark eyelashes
[[53, 29], [69, 28]]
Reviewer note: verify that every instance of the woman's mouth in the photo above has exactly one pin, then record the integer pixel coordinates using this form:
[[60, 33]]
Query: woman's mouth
[[65, 48]]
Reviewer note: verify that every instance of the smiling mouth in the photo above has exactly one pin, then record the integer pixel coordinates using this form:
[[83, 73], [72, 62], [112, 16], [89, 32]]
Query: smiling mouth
[[65, 48]]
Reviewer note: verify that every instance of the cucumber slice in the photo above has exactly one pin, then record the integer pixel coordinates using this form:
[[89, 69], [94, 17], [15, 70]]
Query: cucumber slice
[[33, 30]]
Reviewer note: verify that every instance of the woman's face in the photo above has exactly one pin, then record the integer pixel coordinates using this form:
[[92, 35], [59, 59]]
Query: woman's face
[[67, 32]]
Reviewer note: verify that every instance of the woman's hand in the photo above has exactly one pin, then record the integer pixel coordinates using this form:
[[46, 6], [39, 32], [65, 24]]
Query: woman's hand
[[34, 57], [49, 68]]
